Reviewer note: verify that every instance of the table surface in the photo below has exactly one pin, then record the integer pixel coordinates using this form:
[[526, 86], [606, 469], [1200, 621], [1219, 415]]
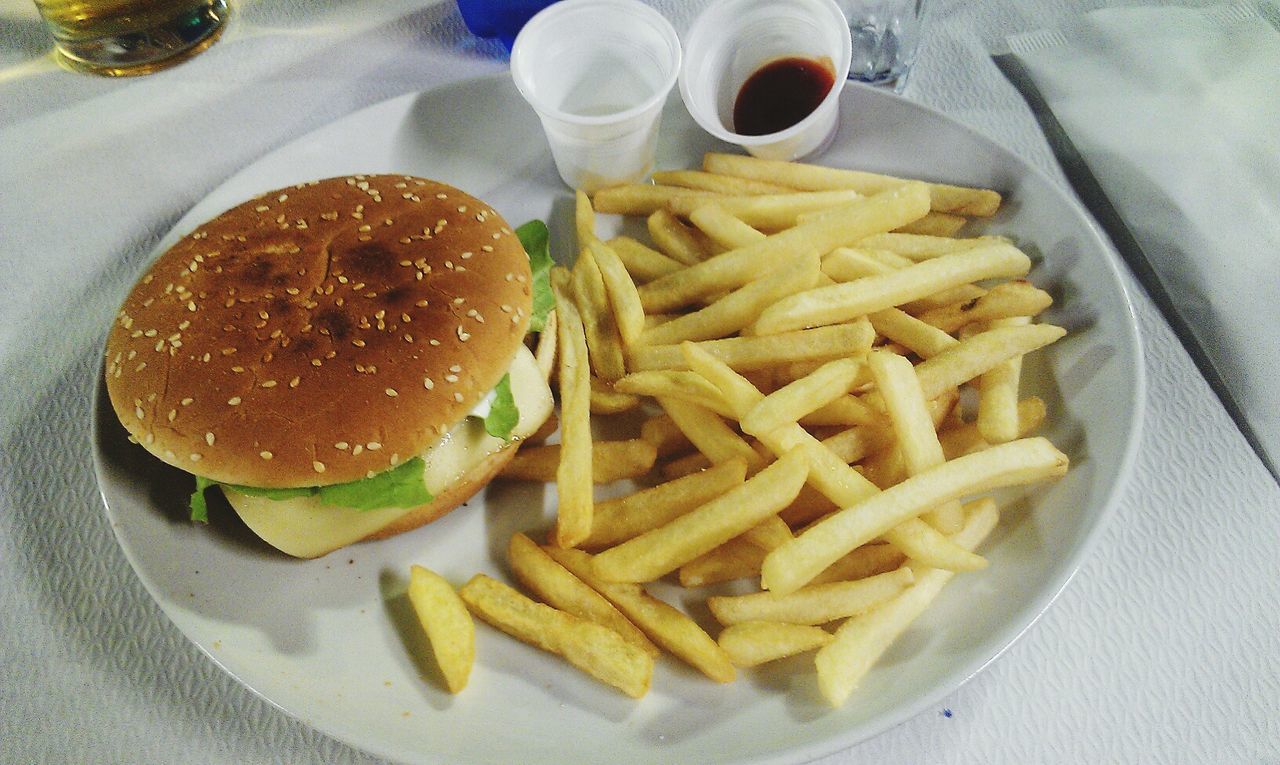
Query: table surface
[[1165, 647]]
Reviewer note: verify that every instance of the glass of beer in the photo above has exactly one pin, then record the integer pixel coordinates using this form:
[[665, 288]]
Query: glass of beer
[[128, 37]]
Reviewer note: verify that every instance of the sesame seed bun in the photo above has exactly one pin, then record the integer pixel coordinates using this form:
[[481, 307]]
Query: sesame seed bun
[[320, 333]]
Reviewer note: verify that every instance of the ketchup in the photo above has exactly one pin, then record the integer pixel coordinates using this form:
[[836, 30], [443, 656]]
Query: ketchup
[[780, 94]]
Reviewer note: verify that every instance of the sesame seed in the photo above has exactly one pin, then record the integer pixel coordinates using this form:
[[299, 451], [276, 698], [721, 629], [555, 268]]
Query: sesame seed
[[187, 401], [451, 378], [428, 383], [294, 382], [357, 449], [457, 397], [373, 446], [195, 456], [234, 401], [208, 438], [317, 466], [391, 392], [268, 383], [342, 446]]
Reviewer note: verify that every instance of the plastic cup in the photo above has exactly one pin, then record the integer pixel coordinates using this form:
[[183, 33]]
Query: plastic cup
[[732, 39], [598, 72]]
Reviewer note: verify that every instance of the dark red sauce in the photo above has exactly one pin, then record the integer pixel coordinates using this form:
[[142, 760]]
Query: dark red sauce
[[780, 94]]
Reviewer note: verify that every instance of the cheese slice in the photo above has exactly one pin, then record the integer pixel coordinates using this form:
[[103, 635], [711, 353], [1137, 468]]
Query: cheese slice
[[304, 527]]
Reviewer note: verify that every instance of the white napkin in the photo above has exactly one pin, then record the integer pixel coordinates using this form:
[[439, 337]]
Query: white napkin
[[1176, 111]]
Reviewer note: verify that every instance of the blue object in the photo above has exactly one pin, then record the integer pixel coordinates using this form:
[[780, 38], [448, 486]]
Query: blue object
[[502, 19]]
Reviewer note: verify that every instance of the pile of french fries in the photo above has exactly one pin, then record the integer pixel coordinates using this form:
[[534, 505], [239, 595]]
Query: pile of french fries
[[796, 341]]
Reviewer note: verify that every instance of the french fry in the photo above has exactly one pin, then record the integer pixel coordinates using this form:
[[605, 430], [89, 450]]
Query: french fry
[[965, 293], [678, 384], [740, 307], [709, 434], [609, 461], [664, 549], [750, 644], [747, 354], [794, 400], [969, 358], [674, 239], [923, 247], [861, 563], [617, 520], [445, 619], [738, 558], [917, 439], [965, 438], [606, 400], [556, 586], [861, 641], [1024, 461], [623, 297], [584, 218], [920, 337], [843, 411], [643, 262], [545, 353], [719, 184], [1015, 298], [998, 394], [666, 437], [934, 224], [769, 212], [596, 650], [815, 604], [573, 456], [641, 198], [945, 198], [809, 505], [722, 228], [844, 264], [603, 342], [664, 624], [837, 227], [841, 302]]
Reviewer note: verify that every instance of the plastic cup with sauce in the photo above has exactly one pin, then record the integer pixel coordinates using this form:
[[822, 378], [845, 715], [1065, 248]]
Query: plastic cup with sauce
[[598, 73], [767, 65]]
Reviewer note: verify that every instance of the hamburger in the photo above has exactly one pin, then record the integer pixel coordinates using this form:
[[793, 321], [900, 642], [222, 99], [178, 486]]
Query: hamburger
[[344, 359]]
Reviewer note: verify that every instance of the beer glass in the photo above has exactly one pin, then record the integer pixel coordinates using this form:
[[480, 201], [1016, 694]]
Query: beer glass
[[127, 37]]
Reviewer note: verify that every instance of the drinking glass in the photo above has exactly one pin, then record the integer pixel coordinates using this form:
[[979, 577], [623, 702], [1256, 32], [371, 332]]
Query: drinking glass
[[886, 35], [128, 37]]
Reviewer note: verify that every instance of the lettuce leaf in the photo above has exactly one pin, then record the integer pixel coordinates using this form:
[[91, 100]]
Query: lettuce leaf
[[401, 486], [503, 414], [536, 239]]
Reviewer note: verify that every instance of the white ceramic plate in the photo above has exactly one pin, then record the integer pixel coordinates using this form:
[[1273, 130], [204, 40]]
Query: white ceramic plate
[[332, 641]]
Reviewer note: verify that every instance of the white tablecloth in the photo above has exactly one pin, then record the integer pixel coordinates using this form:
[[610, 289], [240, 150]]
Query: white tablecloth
[[1164, 648]]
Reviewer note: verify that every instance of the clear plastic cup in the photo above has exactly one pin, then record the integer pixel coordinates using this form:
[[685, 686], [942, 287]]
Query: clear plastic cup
[[598, 72], [733, 39]]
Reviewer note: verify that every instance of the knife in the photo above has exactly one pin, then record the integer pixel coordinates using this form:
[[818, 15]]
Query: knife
[[1104, 212]]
